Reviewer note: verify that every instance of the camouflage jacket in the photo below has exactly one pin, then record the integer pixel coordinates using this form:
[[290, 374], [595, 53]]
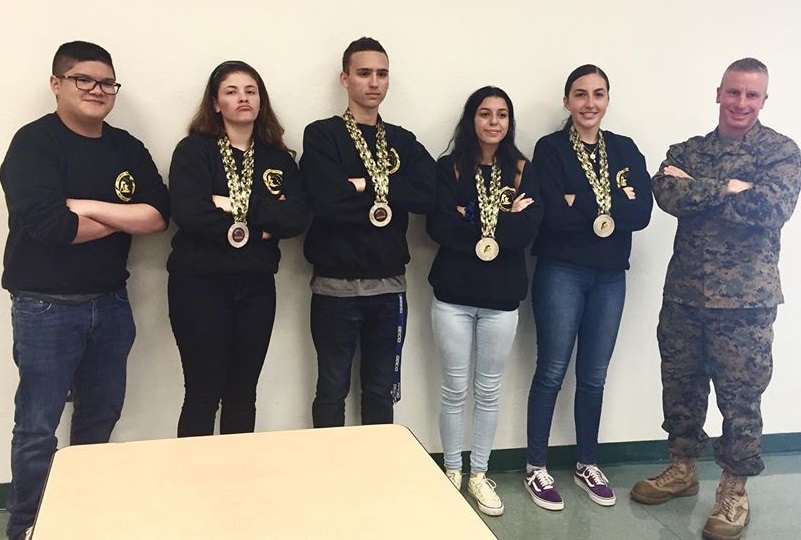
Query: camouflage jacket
[[726, 250]]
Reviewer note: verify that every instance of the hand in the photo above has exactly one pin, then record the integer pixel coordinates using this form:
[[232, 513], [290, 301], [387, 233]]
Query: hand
[[670, 170], [521, 203], [570, 198], [462, 210], [629, 191], [359, 183], [736, 186], [223, 203]]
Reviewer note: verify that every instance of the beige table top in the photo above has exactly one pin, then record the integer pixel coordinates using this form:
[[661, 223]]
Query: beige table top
[[365, 482]]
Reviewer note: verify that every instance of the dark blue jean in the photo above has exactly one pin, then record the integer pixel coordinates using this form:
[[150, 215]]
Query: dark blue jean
[[572, 303], [377, 324], [58, 346]]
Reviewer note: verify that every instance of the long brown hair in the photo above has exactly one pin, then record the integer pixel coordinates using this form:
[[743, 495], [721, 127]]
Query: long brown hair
[[207, 121]]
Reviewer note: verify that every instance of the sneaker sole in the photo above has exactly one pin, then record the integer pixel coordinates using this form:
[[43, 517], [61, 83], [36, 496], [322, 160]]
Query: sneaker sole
[[595, 498], [547, 505], [487, 509], [644, 499]]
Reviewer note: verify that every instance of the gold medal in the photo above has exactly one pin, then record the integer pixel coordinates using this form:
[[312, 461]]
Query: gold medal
[[379, 168], [487, 249], [489, 202], [380, 214], [239, 189], [603, 225], [238, 234]]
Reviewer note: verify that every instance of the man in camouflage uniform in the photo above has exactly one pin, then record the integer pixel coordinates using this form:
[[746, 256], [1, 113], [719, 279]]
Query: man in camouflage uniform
[[731, 190]]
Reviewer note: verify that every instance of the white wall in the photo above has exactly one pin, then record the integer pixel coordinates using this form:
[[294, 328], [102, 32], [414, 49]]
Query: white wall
[[664, 60]]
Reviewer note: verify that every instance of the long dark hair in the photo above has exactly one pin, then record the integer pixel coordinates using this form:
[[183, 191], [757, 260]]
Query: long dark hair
[[579, 72], [207, 121], [466, 150]]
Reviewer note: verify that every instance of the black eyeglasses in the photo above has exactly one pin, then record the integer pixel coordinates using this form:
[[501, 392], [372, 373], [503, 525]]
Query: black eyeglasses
[[88, 84]]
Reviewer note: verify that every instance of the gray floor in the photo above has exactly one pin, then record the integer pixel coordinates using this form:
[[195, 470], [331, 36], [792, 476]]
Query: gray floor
[[774, 502]]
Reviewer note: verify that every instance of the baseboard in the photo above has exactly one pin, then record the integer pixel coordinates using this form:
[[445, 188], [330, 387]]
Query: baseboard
[[562, 457]]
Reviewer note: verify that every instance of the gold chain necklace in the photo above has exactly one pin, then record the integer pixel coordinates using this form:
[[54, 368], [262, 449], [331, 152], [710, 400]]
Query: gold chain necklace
[[489, 201], [603, 225], [239, 188], [378, 169]]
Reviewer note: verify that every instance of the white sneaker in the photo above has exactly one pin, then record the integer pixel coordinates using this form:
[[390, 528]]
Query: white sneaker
[[455, 477], [483, 491]]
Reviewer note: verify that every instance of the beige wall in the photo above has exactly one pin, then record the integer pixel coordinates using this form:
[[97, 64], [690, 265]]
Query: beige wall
[[664, 60]]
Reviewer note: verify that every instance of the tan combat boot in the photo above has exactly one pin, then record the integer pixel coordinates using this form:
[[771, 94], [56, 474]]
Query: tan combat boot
[[680, 479], [730, 514]]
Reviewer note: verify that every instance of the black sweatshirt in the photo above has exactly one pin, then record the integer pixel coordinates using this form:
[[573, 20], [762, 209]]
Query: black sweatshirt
[[201, 244], [48, 163], [341, 242], [457, 275], [566, 233]]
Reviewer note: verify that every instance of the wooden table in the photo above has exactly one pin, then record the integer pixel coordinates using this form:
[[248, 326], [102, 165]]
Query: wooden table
[[365, 482]]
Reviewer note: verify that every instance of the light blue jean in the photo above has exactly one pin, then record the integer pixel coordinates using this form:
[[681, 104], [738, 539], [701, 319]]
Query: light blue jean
[[459, 331]]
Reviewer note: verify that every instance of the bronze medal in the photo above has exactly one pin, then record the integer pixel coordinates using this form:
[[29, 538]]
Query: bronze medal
[[487, 249], [380, 214], [238, 234], [603, 225]]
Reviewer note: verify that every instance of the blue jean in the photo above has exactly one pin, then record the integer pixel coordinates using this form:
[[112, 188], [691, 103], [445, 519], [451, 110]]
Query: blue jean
[[571, 303], [378, 324], [458, 332], [58, 347]]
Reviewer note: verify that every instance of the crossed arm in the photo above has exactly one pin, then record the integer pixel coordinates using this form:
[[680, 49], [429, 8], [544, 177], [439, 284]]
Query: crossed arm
[[98, 219]]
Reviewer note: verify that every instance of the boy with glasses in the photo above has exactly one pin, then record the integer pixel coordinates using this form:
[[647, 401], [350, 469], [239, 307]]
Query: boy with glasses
[[76, 189]]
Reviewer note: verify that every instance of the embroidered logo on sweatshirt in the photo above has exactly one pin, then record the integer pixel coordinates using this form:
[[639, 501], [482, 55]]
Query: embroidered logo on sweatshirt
[[507, 196], [124, 186], [272, 179], [394, 161]]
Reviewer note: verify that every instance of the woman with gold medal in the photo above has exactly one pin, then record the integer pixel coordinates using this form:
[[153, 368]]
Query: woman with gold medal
[[235, 192], [596, 191], [488, 211]]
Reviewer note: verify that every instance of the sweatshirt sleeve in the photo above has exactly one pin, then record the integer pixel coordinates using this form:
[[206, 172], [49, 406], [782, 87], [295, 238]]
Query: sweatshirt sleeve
[[515, 230], [413, 188], [191, 186], [331, 195], [550, 174], [150, 188], [34, 192], [285, 214], [631, 214], [445, 225]]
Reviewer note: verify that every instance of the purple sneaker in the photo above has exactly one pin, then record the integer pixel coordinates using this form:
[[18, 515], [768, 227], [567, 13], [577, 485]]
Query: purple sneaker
[[592, 480], [539, 485]]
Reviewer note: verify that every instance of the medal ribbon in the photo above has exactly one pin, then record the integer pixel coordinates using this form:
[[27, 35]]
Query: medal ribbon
[[600, 187], [378, 168], [239, 187], [489, 201]]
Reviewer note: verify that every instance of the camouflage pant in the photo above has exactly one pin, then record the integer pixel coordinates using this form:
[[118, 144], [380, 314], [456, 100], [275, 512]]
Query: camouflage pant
[[732, 348]]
